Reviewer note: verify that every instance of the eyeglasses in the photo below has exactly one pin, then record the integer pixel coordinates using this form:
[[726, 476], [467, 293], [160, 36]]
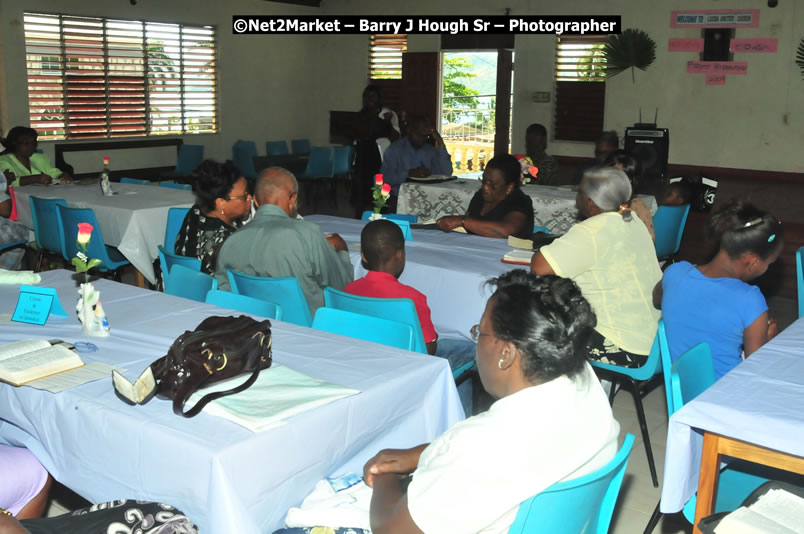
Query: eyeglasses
[[476, 333]]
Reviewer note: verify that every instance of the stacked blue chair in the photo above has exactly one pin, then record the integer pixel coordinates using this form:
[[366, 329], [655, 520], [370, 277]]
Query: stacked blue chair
[[243, 153], [242, 303], [285, 292], [188, 283], [319, 170], [46, 227], [172, 185], [276, 148], [638, 379], [342, 158], [300, 147], [800, 280], [135, 181], [668, 226], [175, 221], [167, 260], [583, 505], [188, 158], [111, 258], [366, 327]]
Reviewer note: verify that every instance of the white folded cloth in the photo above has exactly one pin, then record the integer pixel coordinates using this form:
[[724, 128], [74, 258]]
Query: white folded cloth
[[347, 508], [19, 277]]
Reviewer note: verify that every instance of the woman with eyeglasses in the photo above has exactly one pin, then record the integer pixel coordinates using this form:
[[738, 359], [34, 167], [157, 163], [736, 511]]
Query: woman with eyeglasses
[[223, 202], [499, 208], [22, 165]]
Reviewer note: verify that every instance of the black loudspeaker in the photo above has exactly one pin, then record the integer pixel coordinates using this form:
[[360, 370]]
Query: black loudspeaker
[[650, 146]]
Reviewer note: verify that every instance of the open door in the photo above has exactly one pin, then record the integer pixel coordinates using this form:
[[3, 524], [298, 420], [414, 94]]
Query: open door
[[421, 76]]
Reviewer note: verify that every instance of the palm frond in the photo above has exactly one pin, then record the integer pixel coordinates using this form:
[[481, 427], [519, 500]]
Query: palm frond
[[800, 57], [632, 48]]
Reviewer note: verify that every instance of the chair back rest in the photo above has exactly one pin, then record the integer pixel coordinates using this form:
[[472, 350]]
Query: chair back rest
[[668, 225], [320, 163], [168, 259], [300, 146], [366, 327], [285, 292], [175, 220], [644, 372], [243, 153], [68, 234], [188, 159], [402, 310], [667, 363], [13, 215], [242, 303], [537, 229], [800, 279], [172, 185], [691, 375], [582, 505], [276, 148], [188, 283], [412, 219], [135, 181], [45, 219], [342, 157]]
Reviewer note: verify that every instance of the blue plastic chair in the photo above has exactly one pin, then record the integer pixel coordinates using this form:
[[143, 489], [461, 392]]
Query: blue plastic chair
[[412, 219], [668, 226], [242, 303], [366, 327], [638, 379], [45, 219], [583, 505], [172, 185], [800, 280], [188, 159], [342, 157], [68, 220], [320, 164], [136, 181], [276, 148], [537, 229], [243, 153], [168, 259], [188, 283], [300, 146], [285, 292], [175, 221]]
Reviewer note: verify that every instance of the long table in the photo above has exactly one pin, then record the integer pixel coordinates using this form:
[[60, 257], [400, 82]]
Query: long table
[[553, 206], [754, 413], [133, 220], [449, 268], [226, 478]]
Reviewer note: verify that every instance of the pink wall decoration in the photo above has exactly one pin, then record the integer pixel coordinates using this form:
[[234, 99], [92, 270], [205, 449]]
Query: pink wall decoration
[[717, 67], [685, 45], [754, 45]]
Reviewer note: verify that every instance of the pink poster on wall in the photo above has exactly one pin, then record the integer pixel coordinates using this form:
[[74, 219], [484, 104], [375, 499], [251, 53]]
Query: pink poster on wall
[[715, 79], [717, 67], [754, 45], [685, 45]]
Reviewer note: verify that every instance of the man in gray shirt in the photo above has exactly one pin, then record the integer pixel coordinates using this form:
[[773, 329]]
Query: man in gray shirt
[[277, 244]]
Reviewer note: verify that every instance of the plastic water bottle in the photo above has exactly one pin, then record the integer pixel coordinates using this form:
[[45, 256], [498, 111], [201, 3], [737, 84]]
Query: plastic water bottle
[[105, 185]]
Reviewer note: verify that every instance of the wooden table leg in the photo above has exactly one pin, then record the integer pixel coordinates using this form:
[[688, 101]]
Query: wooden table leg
[[707, 479], [140, 280]]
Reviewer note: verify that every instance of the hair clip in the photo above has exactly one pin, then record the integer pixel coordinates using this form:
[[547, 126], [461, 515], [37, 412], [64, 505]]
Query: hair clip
[[758, 220], [771, 238]]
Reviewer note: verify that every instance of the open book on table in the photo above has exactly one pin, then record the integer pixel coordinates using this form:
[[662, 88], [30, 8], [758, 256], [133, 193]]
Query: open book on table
[[776, 512], [32, 359], [518, 257]]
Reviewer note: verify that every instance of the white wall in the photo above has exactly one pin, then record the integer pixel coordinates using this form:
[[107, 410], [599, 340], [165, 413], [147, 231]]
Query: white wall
[[281, 87]]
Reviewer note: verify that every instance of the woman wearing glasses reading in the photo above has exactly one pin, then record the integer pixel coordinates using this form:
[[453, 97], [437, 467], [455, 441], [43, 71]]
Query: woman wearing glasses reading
[[222, 203], [499, 208]]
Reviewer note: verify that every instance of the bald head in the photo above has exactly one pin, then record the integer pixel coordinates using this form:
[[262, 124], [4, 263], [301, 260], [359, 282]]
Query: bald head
[[279, 187]]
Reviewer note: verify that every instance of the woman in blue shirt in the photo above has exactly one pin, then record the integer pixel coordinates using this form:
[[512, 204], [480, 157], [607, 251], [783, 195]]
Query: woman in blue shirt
[[714, 303]]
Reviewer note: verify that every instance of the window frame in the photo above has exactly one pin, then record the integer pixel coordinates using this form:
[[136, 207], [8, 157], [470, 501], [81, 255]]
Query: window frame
[[395, 46]]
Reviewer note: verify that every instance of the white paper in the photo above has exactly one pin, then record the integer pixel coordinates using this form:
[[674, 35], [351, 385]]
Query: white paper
[[77, 377], [22, 347], [776, 512], [517, 255]]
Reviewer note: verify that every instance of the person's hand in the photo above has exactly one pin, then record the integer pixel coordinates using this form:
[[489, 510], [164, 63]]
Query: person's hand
[[44, 179], [773, 328], [337, 242], [9, 525], [399, 461], [450, 222], [387, 115], [65, 179], [419, 172]]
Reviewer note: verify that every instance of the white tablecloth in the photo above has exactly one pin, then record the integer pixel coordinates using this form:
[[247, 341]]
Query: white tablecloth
[[133, 220], [224, 477], [761, 401], [553, 206], [449, 268]]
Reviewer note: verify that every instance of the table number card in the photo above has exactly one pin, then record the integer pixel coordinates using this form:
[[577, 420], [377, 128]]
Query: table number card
[[36, 304]]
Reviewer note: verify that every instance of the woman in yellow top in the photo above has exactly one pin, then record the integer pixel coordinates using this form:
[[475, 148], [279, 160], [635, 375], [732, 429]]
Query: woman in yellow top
[[22, 165], [611, 257]]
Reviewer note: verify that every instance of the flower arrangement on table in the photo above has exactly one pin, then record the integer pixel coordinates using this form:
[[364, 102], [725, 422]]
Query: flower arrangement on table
[[529, 170], [89, 308], [380, 193]]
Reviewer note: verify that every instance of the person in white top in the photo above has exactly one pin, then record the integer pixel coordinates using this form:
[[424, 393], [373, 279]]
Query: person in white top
[[552, 421]]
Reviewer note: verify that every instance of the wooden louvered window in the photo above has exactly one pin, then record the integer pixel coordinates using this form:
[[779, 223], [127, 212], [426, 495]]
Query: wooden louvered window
[[385, 56], [580, 87], [96, 77]]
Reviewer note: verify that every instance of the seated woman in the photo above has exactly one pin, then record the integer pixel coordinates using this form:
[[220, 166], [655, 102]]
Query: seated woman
[[612, 259], [620, 159], [222, 202], [10, 231], [714, 303], [499, 208], [22, 165]]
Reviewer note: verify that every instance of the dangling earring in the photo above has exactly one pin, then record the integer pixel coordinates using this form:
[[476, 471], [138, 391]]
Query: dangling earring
[[221, 211], [500, 363]]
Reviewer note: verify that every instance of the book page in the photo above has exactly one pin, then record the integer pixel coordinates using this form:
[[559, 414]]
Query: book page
[[21, 347], [518, 242], [744, 521], [783, 507], [74, 378], [519, 256], [39, 364]]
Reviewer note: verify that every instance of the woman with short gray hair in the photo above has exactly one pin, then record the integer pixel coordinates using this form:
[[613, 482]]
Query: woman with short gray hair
[[611, 257]]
